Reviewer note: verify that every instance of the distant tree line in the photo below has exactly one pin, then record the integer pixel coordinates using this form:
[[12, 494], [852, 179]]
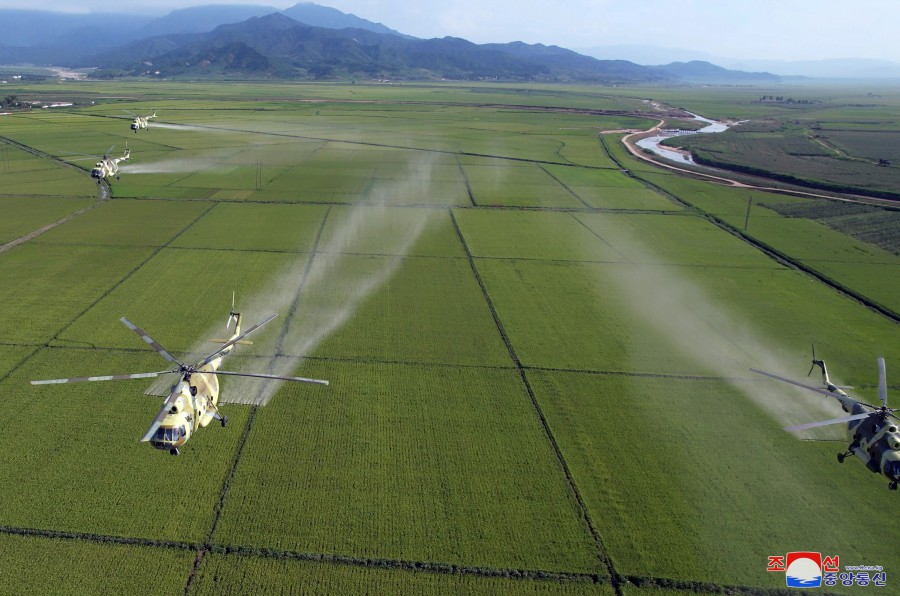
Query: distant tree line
[[782, 99]]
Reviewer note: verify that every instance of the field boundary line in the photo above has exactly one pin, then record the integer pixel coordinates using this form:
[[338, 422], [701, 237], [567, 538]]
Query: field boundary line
[[544, 169], [104, 195], [413, 363], [128, 275], [55, 336], [105, 191], [438, 206], [431, 567], [790, 189], [602, 554], [39, 153], [248, 426], [19, 364], [406, 147], [601, 238], [771, 252], [784, 259], [465, 178], [295, 303], [792, 263]]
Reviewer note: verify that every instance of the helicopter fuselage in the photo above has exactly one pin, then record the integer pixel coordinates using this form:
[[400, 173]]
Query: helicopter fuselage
[[192, 402], [194, 406], [108, 166], [871, 430], [104, 168], [875, 441], [140, 122]]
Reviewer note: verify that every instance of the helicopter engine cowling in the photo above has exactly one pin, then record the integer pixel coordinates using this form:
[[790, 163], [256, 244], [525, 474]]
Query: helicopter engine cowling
[[893, 440]]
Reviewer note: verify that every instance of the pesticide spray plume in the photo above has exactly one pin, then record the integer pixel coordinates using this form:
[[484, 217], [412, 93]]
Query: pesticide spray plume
[[315, 295], [186, 127], [716, 337], [174, 166], [329, 295]]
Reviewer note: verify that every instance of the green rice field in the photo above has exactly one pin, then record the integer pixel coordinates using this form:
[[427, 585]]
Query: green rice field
[[538, 350]]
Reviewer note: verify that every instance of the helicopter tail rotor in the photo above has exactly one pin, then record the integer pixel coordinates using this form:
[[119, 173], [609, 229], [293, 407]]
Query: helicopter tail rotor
[[232, 316], [814, 361], [825, 380]]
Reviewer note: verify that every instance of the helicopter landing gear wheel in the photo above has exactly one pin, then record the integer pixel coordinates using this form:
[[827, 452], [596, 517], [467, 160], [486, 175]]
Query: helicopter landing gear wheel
[[224, 421], [174, 450], [892, 485], [841, 457]]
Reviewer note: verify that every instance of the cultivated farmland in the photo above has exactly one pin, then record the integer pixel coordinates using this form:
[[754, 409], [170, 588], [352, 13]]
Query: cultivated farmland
[[538, 350]]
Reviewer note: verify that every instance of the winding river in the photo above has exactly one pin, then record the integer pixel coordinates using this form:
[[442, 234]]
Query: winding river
[[653, 143]]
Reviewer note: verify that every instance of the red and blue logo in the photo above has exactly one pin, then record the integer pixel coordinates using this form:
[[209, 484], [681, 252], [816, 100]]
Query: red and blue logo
[[803, 570]]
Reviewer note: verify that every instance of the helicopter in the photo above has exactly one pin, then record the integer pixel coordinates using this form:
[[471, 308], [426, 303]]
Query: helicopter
[[109, 166], [140, 122], [873, 436], [192, 402]]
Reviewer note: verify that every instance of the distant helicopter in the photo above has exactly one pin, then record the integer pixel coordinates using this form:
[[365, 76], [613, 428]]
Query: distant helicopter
[[109, 166], [192, 401], [140, 122], [873, 436]]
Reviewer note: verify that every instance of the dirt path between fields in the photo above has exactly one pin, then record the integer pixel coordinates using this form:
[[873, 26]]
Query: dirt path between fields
[[46, 228], [629, 141], [104, 194]]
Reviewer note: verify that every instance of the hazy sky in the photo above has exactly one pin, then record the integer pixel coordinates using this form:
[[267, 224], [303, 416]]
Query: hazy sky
[[765, 29]]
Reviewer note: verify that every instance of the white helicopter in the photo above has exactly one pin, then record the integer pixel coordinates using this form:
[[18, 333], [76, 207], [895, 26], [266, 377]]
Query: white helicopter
[[140, 122], [873, 436], [109, 166], [192, 400]]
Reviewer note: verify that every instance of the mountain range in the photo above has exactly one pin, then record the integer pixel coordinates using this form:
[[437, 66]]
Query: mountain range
[[306, 41], [850, 68]]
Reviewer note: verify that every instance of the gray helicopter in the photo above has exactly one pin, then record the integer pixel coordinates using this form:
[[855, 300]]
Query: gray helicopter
[[871, 430]]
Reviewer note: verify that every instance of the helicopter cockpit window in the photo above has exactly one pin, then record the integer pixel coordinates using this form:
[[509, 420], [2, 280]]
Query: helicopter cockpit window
[[892, 469], [168, 434]]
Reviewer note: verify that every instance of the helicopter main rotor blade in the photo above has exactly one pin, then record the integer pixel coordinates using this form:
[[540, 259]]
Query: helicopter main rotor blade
[[263, 376], [231, 342], [163, 412], [882, 382], [150, 341], [827, 422], [799, 384], [148, 375]]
